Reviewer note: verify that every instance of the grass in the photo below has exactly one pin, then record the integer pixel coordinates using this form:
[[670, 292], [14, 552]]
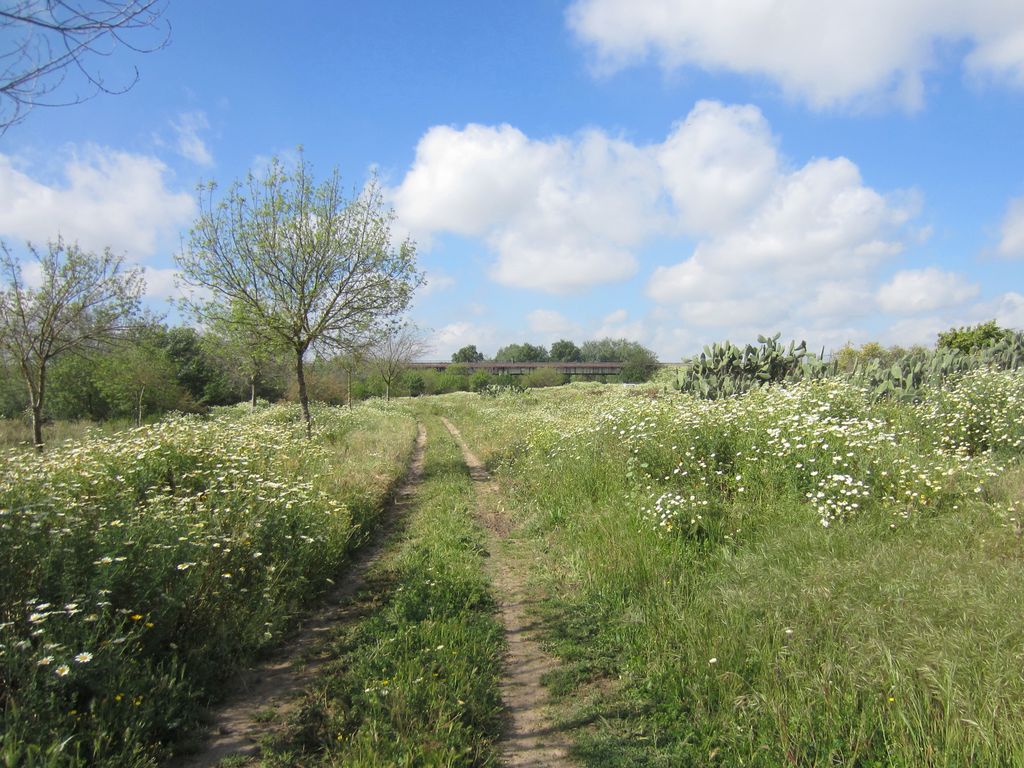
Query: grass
[[141, 569], [17, 433], [743, 631], [415, 682]]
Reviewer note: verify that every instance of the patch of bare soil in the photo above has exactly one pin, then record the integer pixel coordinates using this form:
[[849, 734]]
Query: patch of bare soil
[[264, 695], [530, 739]]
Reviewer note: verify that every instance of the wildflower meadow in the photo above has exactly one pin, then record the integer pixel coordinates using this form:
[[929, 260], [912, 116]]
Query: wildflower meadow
[[803, 574], [142, 568]]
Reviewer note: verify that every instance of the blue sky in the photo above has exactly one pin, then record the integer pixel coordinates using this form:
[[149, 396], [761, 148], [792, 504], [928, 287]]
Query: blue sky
[[670, 171]]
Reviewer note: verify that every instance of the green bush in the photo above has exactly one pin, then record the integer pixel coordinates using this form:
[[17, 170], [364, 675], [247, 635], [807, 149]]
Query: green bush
[[543, 377]]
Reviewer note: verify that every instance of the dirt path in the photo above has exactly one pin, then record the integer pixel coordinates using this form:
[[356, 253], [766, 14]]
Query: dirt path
[[272, 687], [529, 739]]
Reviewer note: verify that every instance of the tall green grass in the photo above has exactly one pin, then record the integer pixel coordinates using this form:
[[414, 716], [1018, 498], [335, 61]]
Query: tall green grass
[[726, 614]]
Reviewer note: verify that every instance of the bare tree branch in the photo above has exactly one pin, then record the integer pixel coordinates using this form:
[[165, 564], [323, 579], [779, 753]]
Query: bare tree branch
[[46, 41], [396, 347]]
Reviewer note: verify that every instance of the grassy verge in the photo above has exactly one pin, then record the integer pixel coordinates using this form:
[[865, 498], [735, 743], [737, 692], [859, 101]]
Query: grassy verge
[[142, 568], [728, 614], [415, 682]]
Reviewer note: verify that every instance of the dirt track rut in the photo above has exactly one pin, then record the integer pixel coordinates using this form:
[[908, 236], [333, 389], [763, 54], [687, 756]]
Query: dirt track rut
[[239, 724], [529, 738]]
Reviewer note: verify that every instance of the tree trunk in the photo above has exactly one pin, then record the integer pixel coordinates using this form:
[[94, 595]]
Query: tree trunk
[[252, 392], [303, 397], [37, 426], [138, 408], [348, 381], [387, 391], [36, 399]]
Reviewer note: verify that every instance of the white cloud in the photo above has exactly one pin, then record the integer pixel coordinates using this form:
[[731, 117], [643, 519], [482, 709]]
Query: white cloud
[[912, 292], [560, 215], [837, 53], [457, 335], [107, 198], [717, 164], [1008, 310], [190, 144], [1011, 235], [551, 325], [617, 325], [161, 283], [436, 282], [765, 244], [802, 259]]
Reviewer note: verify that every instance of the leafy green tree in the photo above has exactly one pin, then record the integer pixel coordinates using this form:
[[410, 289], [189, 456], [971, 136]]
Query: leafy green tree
[[13, 401], [565, 351], [415, 383], [73, 390], [309, 268], [353, 360], [970, 338], [140, 378], [195, 369], [639, 362], [479, 380], [543, 377], [639, 365], [83, 301], [468, 354], [522, 353], [247, 358], [849, 357]]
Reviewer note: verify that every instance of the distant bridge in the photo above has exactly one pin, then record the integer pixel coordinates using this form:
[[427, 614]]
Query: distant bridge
[[518, 369]]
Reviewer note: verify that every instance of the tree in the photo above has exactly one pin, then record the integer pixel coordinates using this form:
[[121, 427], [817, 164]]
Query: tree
[[83, 300], [522, 353], [309, 268], [564, 351], [639, 363], [73, 390], [141, 378], [244, 354], [468, 354], [543, 377], [45, 40], [973, 337], [391, 354]]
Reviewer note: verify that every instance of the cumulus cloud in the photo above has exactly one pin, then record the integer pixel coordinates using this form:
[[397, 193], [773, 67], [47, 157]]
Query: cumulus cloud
[[560, 215], [617, 325], [162, 283], [826, 53], [801, 255], [550, 325], [1011, 234], [763, 244], [1007, 309], [190, 144], [435, 282], [454, 336], [106, 198], [718, 164], [911, 292]]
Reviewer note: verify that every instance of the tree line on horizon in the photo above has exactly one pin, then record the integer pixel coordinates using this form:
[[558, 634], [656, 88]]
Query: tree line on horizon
[[639, 362]]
